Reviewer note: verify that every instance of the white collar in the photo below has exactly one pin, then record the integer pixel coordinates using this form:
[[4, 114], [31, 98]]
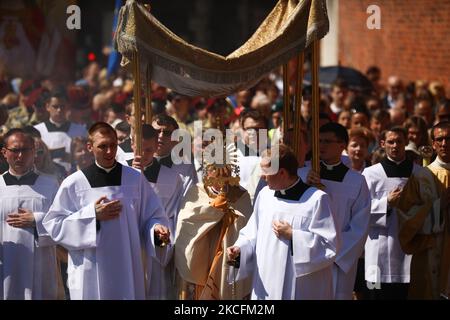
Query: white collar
[[108, 170], [283, 191], [396, 162], [438, 162], [20, 176], [59, 125], [335, 108], [331, 166]]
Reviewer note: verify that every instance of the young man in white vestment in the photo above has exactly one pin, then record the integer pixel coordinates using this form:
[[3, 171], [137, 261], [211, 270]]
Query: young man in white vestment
[[57, 132], [165, 126], [350, 202], [105, 216], [28, 268], [168, 186], [253, 123], [386, 265], [291, 239]]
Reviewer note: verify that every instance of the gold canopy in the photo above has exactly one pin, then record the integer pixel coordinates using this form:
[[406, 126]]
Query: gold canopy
[[290, 28]]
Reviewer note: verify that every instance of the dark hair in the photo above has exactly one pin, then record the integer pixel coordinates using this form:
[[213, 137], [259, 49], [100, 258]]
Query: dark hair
[[440, 125], [373, 69], [338, 129], [339, 83], [165, 120], [419, 122], [117, 108], [44, 97], [255, 115], [124, 127], [286, 157], [17, 131], [59, 93], [322, 115], [398, 130], [148, 132], [103, 128], [32, 131], [381, 114]]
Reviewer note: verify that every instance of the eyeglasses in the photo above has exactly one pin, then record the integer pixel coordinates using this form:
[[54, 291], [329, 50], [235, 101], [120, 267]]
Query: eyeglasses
[[441, 139], [328, 141], [19, 150], [252, 128], [166, 133], [60, 106]]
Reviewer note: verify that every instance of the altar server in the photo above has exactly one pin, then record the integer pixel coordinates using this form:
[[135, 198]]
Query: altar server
[[291, 239], [105, 216], [28, 267], [168, 186], [57, 132], [350, 202], [386, 265]]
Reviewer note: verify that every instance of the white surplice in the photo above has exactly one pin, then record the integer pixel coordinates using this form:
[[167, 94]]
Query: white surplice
[[169, 188], [301, 269], [385, 261], [61, 139], [28, 268], [185, 170], [350, 202], [106, 263]]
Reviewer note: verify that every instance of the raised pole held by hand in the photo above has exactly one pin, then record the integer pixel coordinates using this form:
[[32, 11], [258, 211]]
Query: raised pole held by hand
[[315, 161], [137, 103]]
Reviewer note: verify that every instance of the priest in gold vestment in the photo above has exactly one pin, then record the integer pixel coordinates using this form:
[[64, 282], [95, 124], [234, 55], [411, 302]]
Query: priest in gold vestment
[[425, 222], [211, 215]]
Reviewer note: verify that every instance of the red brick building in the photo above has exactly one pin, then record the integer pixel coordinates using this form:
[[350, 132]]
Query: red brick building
[[413, 41]]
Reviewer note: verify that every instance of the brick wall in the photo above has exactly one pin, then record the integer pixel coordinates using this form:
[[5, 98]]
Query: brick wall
[[413, 42]]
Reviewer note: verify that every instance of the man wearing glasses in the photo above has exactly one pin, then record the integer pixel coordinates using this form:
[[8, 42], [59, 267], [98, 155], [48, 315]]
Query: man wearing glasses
[[425, 221], [254, 126], [57, 132], [165, 125], [350, 204], [28, 267]]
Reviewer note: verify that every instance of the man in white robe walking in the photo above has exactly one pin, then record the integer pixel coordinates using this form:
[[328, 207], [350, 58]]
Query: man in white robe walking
[[57, 132], [168, 186], [105, 216], [28, 268], [165, 126], [350, 202], [291, 240], [387, 267]]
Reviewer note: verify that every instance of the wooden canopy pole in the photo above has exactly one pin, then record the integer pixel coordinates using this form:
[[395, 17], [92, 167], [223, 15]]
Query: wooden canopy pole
[[315, 106], [298, 102], [137, 103], [286, 105], [148, 96]]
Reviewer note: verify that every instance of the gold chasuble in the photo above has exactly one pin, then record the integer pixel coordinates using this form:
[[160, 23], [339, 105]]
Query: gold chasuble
[[205, 228], [425, 231]]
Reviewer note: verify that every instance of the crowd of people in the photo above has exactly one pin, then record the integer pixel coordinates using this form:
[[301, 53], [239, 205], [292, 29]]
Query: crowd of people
[[84, 215]]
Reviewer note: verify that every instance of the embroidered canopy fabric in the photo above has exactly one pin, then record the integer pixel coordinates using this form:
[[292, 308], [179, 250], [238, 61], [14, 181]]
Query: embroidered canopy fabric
[[290, 28]]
